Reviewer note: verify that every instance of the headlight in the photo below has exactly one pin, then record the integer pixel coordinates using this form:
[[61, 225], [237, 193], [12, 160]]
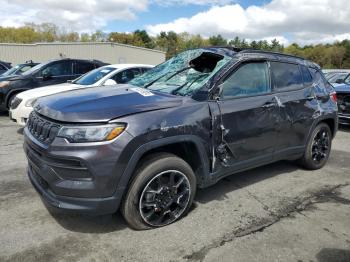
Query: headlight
[[81, 134], [4, 84], [30, 102]]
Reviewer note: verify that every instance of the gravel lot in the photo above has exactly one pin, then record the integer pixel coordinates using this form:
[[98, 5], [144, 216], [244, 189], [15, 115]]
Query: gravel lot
[[274, 213]]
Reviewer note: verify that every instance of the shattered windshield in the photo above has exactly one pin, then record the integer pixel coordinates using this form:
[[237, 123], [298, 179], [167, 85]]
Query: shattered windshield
[[184, 73]]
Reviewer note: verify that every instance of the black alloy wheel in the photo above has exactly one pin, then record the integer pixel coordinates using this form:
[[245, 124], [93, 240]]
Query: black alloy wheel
[[320, 146], [164, 198], [160, 193]]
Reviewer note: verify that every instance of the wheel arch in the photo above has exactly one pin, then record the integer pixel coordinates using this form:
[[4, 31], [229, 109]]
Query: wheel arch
[[331, 121], [195, 156], [11, 94]]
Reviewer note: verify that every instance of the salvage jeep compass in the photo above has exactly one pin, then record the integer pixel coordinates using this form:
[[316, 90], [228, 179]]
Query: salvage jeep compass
[[205, 114]]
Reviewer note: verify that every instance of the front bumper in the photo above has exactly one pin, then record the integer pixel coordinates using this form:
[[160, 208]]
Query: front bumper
[[79, 177], [96, 206], [20, 114]]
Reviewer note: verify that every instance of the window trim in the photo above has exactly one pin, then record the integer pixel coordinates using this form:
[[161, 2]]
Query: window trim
[[238, 65]]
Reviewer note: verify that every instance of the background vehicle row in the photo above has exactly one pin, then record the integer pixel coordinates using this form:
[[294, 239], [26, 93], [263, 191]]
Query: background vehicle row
[[22, 105]]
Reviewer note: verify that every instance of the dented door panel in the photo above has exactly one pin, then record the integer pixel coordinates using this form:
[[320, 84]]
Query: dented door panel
[[246, 131], [299, 109]]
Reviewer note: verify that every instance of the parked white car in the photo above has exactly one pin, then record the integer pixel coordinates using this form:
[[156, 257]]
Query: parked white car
[[22, 105]]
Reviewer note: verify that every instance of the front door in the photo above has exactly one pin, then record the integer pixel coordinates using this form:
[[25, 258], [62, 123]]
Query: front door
[[55, 73], [248, 117]]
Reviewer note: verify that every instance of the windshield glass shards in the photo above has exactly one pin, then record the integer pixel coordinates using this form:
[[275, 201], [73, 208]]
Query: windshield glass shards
[[184, 73]]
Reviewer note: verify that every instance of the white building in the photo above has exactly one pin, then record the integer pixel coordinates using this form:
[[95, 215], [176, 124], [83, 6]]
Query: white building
[[112, 53]]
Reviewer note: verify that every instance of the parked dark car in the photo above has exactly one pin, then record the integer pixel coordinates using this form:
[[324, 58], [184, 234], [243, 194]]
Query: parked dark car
[[328, 75], [4, 66], [45, 74], [18, 70], [339, 78], [343, 96], [203, 115]]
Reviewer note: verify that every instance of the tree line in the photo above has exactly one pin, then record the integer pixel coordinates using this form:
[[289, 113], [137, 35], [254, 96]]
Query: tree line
[[336, 55]]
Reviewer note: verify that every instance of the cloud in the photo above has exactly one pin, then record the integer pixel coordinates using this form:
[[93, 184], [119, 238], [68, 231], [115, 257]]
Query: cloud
[[306, 22], [187, 2], [81, 15], [312, 21]]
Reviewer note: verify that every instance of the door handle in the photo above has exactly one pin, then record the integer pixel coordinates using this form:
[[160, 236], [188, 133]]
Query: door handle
[[269, 104], [311, 97]]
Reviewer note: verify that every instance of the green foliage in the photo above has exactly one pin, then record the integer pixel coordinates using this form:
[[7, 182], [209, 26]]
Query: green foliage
[[217, 40], [336, 55]]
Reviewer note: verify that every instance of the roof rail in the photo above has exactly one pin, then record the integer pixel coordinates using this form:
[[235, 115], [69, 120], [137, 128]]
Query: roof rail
[[253, 50]]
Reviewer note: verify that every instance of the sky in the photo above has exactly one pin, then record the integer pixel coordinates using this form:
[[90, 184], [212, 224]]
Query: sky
[[300, 21]]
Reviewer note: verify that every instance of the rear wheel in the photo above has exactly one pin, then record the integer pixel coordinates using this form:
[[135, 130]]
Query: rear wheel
[[161, 192], [318, 148]]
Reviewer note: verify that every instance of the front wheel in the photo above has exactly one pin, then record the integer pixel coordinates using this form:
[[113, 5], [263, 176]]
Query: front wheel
[[10, 101], [161, 192], [318, 148]]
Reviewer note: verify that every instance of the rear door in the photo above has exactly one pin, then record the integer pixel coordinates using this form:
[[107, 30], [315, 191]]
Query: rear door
[[293, 86], [55, 73], [82, 67], [248, 117]]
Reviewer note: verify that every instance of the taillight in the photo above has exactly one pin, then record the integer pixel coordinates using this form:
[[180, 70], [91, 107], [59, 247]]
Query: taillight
[[333, 96]]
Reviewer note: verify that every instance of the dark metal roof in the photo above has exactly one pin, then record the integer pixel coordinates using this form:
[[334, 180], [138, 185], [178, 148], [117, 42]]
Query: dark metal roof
[[234, 51]]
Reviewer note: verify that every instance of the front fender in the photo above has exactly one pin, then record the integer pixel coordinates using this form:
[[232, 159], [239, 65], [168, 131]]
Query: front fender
[[142, 150]]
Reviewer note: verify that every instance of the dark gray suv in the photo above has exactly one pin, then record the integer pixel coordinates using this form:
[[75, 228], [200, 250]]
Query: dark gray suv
[[204, 114]]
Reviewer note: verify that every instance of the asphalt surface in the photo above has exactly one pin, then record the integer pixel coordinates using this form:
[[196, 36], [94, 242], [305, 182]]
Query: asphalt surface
[[274, 213]]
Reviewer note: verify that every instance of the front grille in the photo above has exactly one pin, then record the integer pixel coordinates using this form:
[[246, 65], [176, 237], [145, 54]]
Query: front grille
[[42, 129], [15, 102], [343, 103]]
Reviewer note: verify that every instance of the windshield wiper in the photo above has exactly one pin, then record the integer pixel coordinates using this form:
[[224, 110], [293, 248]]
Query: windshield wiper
[[177, 72]]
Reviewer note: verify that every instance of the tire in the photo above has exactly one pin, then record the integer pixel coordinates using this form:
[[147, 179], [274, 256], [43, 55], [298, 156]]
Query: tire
[[10, 101], [312, 160], [141, 213]]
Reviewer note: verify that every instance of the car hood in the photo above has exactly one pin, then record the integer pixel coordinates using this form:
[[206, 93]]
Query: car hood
[[11, 78], [102, 104], [47, 90], [343, 88]]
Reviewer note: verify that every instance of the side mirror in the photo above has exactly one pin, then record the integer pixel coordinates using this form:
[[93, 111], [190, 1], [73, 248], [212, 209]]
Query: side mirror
[[339, 81], [110, 82]]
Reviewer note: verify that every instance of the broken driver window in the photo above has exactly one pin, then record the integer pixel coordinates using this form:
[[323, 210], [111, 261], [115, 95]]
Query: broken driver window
[[184, 73]]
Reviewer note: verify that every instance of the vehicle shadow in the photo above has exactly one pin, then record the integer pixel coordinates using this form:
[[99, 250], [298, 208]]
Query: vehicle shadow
[[89, 223], [20, 130], [243, 179], [4, 113], [333, 255], [344, 128]]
